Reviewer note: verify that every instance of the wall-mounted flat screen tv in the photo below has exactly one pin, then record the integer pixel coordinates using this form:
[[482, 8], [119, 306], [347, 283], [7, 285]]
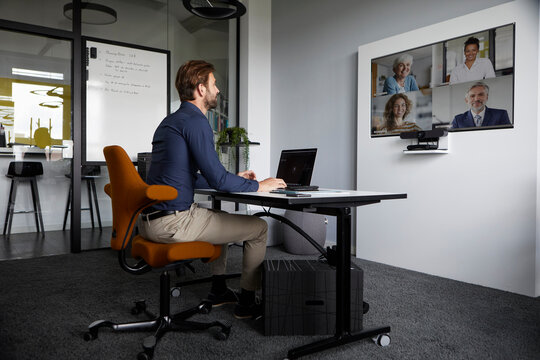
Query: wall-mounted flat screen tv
[[464, 83]]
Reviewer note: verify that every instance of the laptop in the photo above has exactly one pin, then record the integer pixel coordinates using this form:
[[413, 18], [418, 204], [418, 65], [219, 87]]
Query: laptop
[[296, 167]]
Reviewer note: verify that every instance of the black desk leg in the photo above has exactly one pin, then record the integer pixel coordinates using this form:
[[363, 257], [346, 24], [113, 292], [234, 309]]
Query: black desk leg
[[335, 341], [343, 272], [343, 296]]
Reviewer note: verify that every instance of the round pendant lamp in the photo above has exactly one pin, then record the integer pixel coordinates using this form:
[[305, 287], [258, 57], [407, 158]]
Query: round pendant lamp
[[91, 13], [215, 9]]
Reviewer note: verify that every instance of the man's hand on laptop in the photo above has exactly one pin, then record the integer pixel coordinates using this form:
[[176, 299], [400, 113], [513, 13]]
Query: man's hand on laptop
[[270, 184], [248, 174]]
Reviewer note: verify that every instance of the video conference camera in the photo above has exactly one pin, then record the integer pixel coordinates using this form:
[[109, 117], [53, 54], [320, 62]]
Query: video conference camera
[[424, 135], [427, 140]]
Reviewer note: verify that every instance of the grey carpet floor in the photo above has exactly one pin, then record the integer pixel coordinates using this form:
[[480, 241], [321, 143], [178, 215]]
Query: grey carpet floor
[[47, 303]]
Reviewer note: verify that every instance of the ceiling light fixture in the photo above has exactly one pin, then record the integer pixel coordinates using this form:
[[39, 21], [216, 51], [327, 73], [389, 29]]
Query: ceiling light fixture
[[37, 73], [215, 9], [91, 13]]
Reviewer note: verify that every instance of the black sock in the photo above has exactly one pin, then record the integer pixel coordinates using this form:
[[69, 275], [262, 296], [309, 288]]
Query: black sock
[[219, 285], [247, 297]]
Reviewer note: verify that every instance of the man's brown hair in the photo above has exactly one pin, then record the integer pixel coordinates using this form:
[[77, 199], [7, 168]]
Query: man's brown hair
[[190, 75]]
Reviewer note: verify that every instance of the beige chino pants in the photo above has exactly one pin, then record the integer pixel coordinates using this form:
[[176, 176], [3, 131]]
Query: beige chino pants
[[215, 227]]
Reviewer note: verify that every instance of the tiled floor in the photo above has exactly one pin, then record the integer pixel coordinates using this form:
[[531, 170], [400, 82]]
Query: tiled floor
[[30, 245]]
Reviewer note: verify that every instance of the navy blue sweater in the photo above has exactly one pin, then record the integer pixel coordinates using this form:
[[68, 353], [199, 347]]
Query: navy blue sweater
[[183, 145]]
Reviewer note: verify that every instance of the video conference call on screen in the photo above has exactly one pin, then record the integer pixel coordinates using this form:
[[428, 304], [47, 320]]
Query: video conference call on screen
[[464, 83]]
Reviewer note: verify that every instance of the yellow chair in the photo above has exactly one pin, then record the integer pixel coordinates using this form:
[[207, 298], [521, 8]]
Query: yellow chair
[[130, 195]]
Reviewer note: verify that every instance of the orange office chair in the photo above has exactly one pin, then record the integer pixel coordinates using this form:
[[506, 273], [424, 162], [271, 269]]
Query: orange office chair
[[130, 195]]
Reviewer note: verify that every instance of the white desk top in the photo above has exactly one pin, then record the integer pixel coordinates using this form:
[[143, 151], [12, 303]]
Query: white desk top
[[314, 197]]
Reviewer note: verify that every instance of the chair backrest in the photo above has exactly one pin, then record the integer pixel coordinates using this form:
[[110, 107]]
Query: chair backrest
[[129, 194]]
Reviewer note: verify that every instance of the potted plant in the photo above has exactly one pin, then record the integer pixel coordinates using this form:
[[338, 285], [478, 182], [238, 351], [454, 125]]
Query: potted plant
[[233, 137]]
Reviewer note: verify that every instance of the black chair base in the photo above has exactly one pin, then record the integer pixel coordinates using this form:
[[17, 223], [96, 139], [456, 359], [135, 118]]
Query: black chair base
[[180, 284], [163, 323]]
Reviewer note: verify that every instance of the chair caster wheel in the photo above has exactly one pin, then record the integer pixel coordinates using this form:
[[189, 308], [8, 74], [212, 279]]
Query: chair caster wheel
[[223, 334], [382, 340], [143, 356], [175, 292], [205, 307], [365, 307], [89, 336], [140, 306], [149, 343], [224, 331]]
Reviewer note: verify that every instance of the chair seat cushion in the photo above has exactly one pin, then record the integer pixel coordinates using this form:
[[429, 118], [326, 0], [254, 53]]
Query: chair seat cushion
[[158, 255], [25, 168]]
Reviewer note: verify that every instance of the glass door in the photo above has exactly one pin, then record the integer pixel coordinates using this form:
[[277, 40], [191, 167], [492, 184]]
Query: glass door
[[36, 144]]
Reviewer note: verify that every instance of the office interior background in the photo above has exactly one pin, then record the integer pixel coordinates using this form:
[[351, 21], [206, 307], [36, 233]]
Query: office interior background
[[471, 215]]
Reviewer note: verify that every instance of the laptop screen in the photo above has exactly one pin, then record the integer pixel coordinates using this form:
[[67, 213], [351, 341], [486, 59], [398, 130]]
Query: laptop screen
[[296, 166]]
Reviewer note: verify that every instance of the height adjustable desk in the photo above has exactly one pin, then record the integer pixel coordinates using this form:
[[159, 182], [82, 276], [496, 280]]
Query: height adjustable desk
[[336, 203]]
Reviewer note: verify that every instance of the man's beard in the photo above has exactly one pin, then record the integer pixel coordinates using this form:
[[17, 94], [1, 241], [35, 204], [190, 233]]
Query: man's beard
[[210, 103], [478, 108]]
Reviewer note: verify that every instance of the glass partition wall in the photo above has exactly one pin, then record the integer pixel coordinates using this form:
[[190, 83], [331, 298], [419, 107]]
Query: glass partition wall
[[35, 141], [40, 108]]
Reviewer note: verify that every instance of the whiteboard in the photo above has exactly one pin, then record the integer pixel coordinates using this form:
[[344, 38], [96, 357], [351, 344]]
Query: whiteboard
[[127, 96]]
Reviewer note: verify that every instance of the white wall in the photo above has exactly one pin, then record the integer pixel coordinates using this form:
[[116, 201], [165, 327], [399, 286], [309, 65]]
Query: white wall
[[314, 71], [482, 232], [255, 90], [470, 214]]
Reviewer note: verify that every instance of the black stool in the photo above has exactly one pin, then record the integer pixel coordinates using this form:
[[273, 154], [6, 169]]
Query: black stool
[[20, 171], [89, 173]]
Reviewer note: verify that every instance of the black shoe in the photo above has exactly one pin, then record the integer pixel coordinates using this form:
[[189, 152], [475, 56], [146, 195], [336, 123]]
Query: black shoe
[[365, 307], [228, 297], [253, 311]]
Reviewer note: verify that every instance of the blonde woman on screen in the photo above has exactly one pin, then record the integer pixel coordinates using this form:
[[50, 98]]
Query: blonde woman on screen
[[397, 108]]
